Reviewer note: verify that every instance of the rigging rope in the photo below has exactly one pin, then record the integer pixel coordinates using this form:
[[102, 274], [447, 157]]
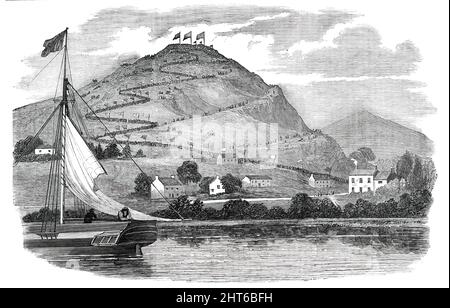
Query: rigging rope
[[44, 68]]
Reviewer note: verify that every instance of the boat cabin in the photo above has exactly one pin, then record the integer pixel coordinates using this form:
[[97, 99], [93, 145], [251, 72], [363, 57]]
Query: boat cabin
[[106, 238]]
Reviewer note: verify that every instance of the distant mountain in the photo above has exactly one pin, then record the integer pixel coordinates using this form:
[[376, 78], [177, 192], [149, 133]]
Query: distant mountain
[[180, 81], [386, 138]]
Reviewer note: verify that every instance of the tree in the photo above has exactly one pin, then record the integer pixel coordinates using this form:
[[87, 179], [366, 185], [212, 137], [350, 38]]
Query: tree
[[126, 152], [301, 206], [188, 172], [186, 207], [416, 179], [204, 184], [111, 150], [358, 156], [404, 166], [231, 183], [235, 209], [140, 153], [143, 184], [26, 146], [367, 153], [98, 152]]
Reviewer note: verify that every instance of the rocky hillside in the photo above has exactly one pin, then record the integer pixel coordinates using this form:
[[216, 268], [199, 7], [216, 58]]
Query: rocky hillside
[[143, 101], [386, 138]]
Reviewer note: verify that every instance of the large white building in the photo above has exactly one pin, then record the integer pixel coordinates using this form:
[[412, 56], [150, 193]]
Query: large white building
[[366, 180]]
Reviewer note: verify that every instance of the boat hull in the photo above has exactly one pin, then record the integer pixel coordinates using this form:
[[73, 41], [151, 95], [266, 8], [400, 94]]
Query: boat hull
[[129, 241]]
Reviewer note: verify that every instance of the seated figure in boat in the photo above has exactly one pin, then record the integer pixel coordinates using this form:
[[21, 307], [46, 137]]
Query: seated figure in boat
[[90, 216], [124, 214]]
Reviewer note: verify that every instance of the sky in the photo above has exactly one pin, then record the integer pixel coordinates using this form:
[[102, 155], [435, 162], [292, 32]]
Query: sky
[[329, 62]]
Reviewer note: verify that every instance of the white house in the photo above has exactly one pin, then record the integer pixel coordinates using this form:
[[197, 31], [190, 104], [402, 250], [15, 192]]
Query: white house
[[361, 180], [44, 149], [366, 180], [169, 187], [257, 181], [216, 187]]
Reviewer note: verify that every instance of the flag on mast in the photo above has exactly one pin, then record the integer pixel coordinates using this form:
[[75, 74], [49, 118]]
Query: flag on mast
[[177, 36], [56, 43], [188, 36], [201, 36]]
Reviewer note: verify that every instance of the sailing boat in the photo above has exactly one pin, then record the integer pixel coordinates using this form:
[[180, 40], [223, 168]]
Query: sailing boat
[[75, 168]]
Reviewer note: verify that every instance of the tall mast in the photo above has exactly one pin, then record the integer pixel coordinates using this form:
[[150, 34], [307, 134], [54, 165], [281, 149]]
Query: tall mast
[[63, 133]]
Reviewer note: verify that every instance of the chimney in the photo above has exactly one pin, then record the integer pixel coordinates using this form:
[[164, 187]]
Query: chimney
[[156, 178]]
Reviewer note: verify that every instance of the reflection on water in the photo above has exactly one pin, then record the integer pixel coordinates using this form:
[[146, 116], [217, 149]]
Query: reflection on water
[[252, 251]]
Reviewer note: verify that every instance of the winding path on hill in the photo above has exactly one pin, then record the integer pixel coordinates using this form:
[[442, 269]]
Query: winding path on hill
[[146, 124]]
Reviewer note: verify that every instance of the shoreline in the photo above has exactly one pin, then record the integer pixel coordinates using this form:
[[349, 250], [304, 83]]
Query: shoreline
[[76, 226]]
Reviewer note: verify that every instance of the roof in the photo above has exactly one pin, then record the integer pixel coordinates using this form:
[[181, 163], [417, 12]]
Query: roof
[[382, 175], [367, 172], [168, 181], [321, 176], [258, 177], [44, 146]]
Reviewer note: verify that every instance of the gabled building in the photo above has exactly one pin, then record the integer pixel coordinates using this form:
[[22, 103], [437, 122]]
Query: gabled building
[[321, 181], [169, 187], [381, 179], [216, 187], [257, 181], [227, 159]]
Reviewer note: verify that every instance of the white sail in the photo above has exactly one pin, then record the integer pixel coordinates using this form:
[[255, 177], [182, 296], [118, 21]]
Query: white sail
[[81, 170]]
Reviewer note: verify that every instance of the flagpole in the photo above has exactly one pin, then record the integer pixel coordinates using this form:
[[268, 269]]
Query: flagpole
[[63, 134]]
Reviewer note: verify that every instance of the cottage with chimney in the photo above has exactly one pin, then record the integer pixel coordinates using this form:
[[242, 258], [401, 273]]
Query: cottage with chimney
[[167, 187]]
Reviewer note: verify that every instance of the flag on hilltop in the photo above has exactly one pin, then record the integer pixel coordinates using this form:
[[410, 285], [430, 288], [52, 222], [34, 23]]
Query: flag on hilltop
[[188, 36], [201, 36], [56, 43], [177, 36]]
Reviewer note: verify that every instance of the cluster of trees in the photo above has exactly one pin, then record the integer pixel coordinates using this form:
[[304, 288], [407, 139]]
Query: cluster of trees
[[113, 151], [414, 205], [418, 173], [26, 147], [46, 213]]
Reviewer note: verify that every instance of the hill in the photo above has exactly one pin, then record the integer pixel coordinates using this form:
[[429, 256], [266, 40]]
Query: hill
[[386, 138], [148, 101]]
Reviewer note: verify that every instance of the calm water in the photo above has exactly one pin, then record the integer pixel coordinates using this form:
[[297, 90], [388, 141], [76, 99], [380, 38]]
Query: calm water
[[266, 251]]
